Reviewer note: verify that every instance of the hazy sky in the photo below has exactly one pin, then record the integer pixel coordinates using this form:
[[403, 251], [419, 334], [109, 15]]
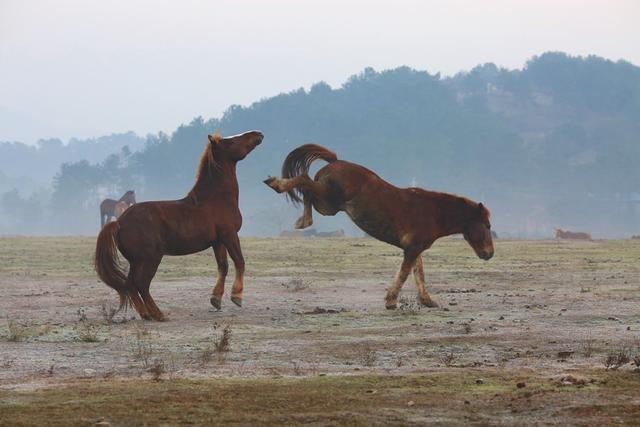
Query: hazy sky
[[87, 68]]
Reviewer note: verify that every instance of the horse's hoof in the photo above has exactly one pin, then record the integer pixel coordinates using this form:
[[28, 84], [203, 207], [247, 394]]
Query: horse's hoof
[[429, 303], [215, 302], [391, 306], [237, 300], [301, 223], [269, 181]]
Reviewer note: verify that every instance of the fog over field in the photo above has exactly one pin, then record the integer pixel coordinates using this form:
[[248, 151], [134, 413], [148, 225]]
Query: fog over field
[[534, 110], [176, 315]]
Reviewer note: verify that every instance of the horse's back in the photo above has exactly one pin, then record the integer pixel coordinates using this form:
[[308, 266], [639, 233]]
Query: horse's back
[[174, 227], [108, 203], [347, 179]]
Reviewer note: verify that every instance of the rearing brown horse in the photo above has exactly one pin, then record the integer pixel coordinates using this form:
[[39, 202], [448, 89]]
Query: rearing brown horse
[[409, 218], [207, 217]]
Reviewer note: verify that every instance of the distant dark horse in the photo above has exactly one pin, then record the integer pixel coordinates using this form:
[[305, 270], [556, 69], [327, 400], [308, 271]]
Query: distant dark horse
[[411, 219], [562, 234], [207, 217], [108, 206]]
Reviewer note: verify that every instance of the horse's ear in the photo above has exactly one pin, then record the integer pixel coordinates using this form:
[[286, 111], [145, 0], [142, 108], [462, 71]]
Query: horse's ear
[[215, 138], [480, 207]]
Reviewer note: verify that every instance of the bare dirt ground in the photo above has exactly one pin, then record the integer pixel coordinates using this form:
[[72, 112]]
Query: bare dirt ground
[[544, 333]]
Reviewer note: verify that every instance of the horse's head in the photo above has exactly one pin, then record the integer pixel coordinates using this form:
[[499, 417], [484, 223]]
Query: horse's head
[[129, 197], [235, 148], [477, 232]]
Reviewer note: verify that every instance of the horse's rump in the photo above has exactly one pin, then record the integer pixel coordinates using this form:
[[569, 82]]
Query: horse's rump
[[299, 161]]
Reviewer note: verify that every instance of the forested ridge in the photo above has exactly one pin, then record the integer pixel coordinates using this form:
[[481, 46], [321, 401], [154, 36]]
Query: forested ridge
[[555, 144]]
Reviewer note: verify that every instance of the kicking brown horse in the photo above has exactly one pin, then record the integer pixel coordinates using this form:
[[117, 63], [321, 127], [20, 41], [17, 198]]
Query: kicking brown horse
[[207, 217], [409, 218], [108, 206]]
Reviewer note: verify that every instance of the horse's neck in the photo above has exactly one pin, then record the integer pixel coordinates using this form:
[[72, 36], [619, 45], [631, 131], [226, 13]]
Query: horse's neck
[[220, 182], [452, 216]]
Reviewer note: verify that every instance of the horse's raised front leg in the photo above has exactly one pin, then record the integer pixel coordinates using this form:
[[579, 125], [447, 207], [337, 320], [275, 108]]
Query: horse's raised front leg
[[391, 300], [223, 267], [418, 274], [232, 243]]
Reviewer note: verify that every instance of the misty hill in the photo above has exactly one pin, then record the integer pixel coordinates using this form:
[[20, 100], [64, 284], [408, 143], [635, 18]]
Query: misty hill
[[552, 145], [30, 166]]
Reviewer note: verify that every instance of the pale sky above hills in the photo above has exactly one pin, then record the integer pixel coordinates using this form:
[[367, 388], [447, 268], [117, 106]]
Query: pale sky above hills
[[88, 68]]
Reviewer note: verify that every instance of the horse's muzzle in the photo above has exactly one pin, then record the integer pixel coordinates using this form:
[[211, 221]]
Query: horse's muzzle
[[486, 255]]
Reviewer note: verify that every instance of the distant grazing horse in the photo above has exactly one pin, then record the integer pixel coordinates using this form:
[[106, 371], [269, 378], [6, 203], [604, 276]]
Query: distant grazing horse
[[207, 217], [120, 208], [635, 237], [411, 219], [562, 234], [108, 206]]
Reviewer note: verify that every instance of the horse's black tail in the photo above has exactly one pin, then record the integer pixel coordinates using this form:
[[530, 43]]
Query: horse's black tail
[[107, 264], [299, 161]]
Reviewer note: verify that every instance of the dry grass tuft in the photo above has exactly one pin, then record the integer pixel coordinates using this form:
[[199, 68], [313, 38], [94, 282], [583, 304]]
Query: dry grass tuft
[[448, 358], [157, 369], [222, 343], [86, 330], [617, 358], [15, 331], [367, 356]]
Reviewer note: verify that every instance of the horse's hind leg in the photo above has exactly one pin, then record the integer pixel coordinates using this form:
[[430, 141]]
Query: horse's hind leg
[[134, 295], [418, 275], [232, 243], [314, 193], [143, 272], [223, 267], [143, 283], [306, 220]]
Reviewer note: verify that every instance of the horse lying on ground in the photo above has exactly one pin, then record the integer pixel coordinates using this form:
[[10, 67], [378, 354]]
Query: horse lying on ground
[[411, 218], [562, 234], [108, 206], [207, 217]]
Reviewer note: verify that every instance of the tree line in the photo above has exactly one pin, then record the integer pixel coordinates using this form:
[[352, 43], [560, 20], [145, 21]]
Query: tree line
[[553, 144]]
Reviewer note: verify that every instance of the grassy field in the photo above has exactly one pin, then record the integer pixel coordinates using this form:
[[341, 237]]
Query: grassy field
[[545, 332]]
